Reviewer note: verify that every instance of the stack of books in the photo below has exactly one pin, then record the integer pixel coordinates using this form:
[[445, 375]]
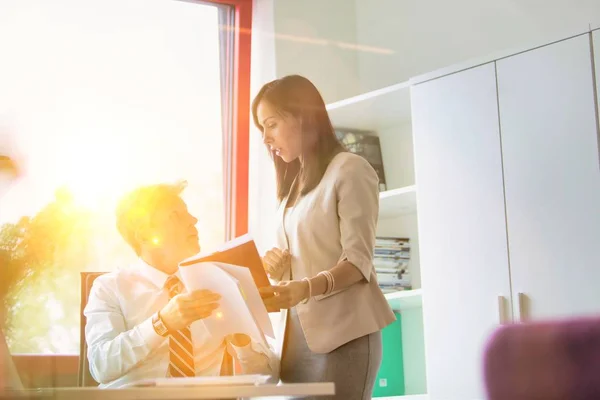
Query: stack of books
[[391, 260]]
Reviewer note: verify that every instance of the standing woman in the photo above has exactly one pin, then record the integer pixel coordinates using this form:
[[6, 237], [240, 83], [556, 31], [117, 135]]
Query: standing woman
[[328, 206]]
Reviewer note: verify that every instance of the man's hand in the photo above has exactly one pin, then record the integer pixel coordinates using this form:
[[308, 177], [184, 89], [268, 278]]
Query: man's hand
[[186, 308], [285, 295], [276, 262]]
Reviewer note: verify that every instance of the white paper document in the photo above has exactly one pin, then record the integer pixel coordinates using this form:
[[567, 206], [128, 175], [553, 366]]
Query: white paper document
[[241, 308]]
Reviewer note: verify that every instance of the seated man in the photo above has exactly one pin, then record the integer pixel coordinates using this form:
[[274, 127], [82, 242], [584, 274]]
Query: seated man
[[138, 320]]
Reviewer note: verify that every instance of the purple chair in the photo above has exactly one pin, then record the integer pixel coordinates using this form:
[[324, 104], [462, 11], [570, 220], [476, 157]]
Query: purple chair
[[556, 360]]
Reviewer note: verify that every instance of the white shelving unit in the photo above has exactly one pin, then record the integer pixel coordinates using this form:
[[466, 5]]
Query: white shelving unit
[[376, 110], [397, 202], [386, 113], [405, 299]]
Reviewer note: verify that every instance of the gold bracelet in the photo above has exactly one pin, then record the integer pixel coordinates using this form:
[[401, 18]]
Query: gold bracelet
[[330, 281]]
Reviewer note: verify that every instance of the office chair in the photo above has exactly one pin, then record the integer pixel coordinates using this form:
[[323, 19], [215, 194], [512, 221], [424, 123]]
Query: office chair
[[9, 376], [554, 360], [85, 377]]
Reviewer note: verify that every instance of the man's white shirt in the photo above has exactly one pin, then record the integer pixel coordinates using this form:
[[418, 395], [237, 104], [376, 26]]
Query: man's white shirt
[[123, 346]]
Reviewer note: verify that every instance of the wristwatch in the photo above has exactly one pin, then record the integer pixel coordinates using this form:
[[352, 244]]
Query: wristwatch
[[159, 326]]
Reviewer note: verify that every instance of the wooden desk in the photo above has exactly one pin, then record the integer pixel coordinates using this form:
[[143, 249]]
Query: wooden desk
[[177, 393]]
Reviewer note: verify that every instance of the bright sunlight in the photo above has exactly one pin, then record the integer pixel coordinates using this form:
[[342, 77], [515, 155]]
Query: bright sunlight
[[101, 97]]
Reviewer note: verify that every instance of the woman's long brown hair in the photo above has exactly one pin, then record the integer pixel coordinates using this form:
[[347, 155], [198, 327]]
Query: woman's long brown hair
[[296, 96]]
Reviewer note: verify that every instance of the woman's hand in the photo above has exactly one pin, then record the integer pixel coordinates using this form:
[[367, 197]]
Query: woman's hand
[[266, 293], [276, 262], [285, 295], [238, 339]]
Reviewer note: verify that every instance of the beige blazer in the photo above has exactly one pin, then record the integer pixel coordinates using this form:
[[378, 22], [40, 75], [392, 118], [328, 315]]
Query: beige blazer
[[336, 221]]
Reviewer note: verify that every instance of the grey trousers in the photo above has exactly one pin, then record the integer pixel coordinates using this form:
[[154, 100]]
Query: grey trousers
[[352, 367]]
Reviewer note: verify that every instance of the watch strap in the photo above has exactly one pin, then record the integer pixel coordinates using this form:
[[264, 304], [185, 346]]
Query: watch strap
[[159, 326]]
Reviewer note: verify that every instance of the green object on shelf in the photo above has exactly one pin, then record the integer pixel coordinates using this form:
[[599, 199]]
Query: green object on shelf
[[390, 379]]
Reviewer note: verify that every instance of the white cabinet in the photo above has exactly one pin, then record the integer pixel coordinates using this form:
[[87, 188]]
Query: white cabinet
[[596, 43], [552, 179], [462, 231], [507, 164]]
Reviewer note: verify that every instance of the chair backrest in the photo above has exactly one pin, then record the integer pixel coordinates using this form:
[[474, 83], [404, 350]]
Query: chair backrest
[[9, 377], [85, 378], [554, 360]]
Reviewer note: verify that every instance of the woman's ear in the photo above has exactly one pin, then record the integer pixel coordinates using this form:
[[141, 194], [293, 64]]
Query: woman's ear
[[307, 122], [303, 125]]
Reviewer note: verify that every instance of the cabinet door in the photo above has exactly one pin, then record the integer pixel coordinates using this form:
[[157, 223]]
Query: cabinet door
[[596, 44], [462, 231], [552, 179]]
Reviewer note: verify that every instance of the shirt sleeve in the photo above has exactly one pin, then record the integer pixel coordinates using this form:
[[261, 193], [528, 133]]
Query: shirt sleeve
[[112, 350], [357, 189], [256, 358]]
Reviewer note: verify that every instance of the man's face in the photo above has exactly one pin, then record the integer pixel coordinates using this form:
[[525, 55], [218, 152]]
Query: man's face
[[175, 232]]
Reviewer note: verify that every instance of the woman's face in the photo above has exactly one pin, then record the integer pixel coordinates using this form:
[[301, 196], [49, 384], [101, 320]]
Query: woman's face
[[282, 134]]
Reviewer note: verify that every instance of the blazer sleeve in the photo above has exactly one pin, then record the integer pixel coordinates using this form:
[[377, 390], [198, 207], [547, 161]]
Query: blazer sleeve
[[357, 190]]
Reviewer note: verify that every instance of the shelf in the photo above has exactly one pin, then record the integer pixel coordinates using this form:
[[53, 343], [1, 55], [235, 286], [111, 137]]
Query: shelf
[[373, 111], [397, 202], [405, 299], [407, 397]]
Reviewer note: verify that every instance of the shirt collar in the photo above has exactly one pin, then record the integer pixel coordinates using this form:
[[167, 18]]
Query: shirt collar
[[155, 276]]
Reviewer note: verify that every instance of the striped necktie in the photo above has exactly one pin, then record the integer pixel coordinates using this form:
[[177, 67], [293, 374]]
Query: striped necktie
[[181, 350]]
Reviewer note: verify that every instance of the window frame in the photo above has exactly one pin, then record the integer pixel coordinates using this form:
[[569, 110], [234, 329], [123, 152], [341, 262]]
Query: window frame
[[237, 172], [236, 178]]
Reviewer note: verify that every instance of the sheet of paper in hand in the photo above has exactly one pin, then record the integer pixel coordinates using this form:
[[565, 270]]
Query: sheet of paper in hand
[[240, 251], [241, 308]]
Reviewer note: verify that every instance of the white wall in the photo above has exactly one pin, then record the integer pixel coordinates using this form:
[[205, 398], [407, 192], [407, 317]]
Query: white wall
[[261, 188], [261, 185], [351, 46], [425, 35], [316, 38], [397, 153]]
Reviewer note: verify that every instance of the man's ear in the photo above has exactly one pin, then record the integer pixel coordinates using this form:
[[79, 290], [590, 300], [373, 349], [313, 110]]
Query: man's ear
[[148, 238], [155, 240]]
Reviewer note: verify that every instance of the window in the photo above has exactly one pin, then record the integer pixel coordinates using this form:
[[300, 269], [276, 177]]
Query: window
[[101, 97]]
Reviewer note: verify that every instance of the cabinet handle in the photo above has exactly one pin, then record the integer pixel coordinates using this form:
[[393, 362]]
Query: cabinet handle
[[522, 302], [501, 311]]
